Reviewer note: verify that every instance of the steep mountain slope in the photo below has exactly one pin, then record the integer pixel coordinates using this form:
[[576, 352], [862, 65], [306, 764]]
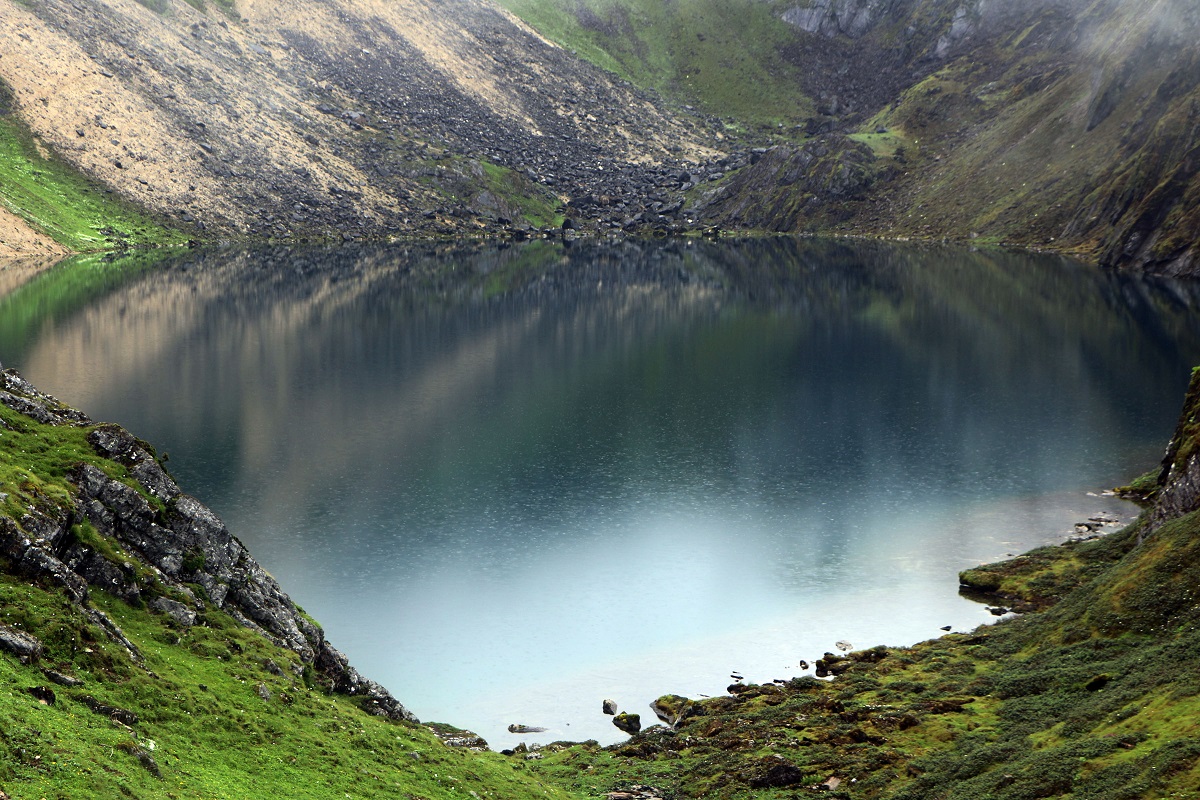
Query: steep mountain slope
[[1067, 124], [351, 118], [1064, 124], [725, 57]]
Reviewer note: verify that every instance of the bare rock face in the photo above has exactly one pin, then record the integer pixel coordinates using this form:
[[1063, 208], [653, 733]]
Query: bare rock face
[[851, 18], [1179, 478], [176, 538]]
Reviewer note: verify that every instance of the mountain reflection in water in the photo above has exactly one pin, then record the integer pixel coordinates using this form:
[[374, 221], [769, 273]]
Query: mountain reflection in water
[[514, 481]]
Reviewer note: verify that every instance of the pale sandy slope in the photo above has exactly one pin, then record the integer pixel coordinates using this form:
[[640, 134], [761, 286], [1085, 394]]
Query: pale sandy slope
[[291, 114]]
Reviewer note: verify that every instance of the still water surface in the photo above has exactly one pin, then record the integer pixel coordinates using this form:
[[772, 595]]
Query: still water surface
[[514, 482]]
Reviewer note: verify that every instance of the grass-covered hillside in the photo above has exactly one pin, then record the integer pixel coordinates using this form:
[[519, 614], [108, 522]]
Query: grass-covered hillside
[[64, 206], [171, 690]]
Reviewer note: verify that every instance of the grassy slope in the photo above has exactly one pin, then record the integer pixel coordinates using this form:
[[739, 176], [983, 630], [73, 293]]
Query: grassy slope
[[201, 714], [723, 57], [56, 200]]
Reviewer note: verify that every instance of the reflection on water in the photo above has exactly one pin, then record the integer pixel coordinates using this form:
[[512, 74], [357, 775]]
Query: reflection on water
[[513, 482]]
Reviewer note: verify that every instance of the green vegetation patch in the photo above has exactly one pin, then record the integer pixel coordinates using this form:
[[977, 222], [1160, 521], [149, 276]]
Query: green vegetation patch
[[35, 460], [533, 203], [217, 711], [724, 57], [57, 200]]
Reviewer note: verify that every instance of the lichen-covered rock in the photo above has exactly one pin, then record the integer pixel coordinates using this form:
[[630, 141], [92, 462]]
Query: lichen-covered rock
[[179, 613], [113, 441], [1179, 478], [629, 723], [851, 18], [673, 709]]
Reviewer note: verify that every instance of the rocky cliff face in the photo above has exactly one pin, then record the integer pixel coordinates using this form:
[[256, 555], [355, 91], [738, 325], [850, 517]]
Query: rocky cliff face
[[1178, 486], [149, 543]]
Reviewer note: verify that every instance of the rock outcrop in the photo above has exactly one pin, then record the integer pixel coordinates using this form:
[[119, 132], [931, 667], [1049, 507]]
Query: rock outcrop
[[174, 543], [1178, 491]]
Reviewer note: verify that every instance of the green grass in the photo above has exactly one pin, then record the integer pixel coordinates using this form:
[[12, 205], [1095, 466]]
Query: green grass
[[883, 145], [535, 205], [202, 719], [723, 57], [58, 201], [35, 460]]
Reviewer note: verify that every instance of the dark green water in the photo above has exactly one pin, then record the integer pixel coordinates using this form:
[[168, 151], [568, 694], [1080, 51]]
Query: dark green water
[[513, 482]]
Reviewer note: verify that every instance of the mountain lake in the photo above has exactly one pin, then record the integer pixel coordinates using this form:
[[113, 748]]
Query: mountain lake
[[514, 481]]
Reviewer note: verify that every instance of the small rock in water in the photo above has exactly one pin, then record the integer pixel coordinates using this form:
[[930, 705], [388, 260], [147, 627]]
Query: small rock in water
[[803, 664], [517, 728], [844, 646], [609, 707], [947, 627]]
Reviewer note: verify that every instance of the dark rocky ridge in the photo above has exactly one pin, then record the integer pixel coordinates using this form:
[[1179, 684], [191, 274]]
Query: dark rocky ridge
[[177, 543]]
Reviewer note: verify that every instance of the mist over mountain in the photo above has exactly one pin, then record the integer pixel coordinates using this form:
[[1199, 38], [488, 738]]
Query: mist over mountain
[[1059, 124]]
